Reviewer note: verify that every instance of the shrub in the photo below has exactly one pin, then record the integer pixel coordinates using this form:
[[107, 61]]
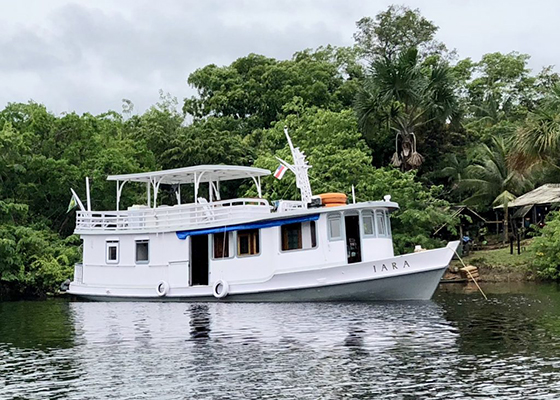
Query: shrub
[[546, 248]]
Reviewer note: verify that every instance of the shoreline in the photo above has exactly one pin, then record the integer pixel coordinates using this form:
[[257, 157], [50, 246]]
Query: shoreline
[[496, 265]]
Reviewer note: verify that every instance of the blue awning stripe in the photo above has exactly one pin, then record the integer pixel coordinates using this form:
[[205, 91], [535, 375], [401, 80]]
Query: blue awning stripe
[[253, 225]]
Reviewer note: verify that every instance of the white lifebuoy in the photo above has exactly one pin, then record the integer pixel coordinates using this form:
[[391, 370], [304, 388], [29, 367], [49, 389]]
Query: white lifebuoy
[[162, 288], [220, 289]]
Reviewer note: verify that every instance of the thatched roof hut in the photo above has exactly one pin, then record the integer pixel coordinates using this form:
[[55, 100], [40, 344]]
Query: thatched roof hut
[[539, 201]]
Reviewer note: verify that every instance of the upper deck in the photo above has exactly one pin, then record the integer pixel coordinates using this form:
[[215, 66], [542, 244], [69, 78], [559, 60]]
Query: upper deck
[[169, 218], [197, 216], [200, 213]]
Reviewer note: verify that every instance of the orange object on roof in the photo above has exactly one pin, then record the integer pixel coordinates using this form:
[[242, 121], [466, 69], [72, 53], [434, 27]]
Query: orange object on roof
[[333, 199]]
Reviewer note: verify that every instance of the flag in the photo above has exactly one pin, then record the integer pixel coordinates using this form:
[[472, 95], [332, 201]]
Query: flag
[[280, 171], [73, 203]]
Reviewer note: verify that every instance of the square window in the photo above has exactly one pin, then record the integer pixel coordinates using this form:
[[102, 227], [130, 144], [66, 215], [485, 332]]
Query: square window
[[291, 237], [221, 245], [381, 223], [248, 242], [367, 221], [335, 230], [142, 251], [112, 251]]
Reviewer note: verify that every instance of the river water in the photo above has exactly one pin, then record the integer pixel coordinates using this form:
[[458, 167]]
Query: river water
[[457, 346]]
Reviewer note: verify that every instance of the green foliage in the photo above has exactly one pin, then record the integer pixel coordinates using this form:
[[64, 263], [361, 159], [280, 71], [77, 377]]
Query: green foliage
[[546, 248], [396, 30], [254, 89], [340, 159], [31, 256], [489, 179], [407, 96], [537, 143]]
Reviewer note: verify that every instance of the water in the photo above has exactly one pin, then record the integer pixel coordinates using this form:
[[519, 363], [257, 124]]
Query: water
[[457, 346]]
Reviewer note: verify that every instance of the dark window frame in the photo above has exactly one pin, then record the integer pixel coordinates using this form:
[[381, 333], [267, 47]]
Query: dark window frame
[[253, 242]]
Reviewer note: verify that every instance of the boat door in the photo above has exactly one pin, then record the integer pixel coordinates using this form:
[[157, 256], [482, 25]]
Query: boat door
[[353, 245], [199, 260]]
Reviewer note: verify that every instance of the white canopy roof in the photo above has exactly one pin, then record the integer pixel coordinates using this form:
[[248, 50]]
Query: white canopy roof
[[204, 173]]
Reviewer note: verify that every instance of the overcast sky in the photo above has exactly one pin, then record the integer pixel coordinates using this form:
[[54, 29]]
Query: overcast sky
[[87, 55]]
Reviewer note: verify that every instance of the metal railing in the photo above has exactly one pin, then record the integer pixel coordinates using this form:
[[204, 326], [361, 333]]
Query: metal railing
[[169, 218]]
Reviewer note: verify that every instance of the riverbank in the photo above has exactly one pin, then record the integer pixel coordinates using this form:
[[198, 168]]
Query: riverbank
[[9, 292], [498, 265]]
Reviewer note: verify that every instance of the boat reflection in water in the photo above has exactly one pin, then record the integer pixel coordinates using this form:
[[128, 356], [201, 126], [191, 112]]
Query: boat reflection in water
[[458, 346], [304, 350]]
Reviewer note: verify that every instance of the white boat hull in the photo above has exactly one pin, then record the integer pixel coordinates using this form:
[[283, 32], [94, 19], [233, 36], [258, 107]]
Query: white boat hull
[[408, 277]]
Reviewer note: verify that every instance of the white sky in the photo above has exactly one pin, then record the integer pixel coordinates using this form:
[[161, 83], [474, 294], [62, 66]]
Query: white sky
[[87, 55]]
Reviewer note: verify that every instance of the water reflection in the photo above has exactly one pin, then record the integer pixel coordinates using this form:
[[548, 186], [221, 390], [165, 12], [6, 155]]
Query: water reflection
[[454, 347], [199, 321]]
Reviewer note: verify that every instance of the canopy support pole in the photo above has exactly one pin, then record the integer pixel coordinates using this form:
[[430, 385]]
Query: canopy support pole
[[197, 179], [88, 197], [258, 185], [119, 192], [195, 189], [156, 190], [217, 187]]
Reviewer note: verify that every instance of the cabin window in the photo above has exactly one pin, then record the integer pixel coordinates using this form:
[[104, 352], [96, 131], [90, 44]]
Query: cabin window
[[368, 223], [221, 245], [381, 223], [291, 237], [248, 242], [112, 251], [313, 231], [388, 223], [298, 236], [335, 227], [142, 251]]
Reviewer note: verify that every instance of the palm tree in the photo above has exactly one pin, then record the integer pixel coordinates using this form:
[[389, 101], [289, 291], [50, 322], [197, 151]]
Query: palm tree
[[404, 95], [454, 169], [537, 143], [491, 180]]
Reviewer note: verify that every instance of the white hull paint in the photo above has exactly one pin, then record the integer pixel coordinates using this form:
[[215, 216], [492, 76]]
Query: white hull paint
[[408, 277]]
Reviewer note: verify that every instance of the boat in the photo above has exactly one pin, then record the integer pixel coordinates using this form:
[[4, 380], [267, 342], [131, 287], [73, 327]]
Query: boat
[[318, 248]]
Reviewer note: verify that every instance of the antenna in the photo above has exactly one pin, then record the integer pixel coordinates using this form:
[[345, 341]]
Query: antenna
[[299, 168]]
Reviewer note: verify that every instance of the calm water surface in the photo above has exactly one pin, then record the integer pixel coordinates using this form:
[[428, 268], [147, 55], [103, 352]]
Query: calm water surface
[[457, 346]]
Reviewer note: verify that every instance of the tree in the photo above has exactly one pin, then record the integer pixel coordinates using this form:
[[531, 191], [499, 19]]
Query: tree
[[537, 142], [455, 170], [491, 181], [254, 89], [546, 248], [405, 95], [395, 31], [502, 88]]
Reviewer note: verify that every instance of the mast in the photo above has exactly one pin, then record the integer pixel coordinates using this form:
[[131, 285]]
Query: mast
[[299, 168]]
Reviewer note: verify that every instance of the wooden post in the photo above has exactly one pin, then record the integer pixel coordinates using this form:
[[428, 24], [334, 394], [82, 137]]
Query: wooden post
[[511, 245]]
